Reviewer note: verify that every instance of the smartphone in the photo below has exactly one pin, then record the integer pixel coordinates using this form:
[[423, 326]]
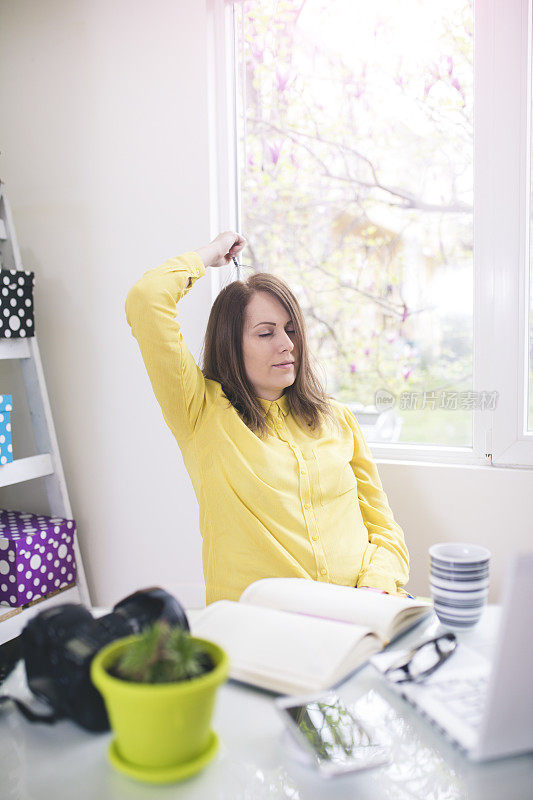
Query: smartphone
[[325, 728]]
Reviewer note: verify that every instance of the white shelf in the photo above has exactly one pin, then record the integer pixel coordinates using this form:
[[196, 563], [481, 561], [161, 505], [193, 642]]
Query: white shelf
[[14, 348], [26, 469], [12, 626]]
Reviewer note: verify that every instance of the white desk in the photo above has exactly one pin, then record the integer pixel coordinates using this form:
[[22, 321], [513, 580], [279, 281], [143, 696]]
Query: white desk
[[62, 761]]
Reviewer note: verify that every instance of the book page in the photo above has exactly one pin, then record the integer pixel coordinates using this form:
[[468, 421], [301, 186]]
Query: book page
[[381, 613], [292, 649]]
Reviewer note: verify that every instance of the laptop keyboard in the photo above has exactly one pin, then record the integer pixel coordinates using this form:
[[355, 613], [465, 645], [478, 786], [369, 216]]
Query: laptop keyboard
[[464, 697]]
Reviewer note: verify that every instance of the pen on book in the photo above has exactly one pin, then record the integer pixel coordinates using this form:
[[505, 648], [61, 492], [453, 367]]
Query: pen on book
[[382, 591]]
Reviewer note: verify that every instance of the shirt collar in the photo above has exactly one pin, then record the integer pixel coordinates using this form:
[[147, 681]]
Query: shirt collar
[[271, 405]]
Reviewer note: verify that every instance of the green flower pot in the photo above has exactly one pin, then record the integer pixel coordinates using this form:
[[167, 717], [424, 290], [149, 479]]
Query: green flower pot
[[159, 726]]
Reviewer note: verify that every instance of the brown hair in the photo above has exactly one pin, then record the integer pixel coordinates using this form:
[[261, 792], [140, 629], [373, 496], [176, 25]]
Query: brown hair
[[224, 361]]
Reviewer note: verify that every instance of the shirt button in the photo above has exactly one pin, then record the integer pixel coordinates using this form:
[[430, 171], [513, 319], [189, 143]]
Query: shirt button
[[303, 472], [323, 570], [314, 537], [307, 505]]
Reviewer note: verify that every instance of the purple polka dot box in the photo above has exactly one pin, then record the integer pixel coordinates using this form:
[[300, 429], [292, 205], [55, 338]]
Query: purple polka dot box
[[36, 556], [16, 304]]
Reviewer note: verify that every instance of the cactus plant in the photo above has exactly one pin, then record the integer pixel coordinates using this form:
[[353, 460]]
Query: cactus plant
[[162, 654]]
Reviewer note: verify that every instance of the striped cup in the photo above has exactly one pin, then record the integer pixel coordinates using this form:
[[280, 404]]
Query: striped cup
[[459, 581]]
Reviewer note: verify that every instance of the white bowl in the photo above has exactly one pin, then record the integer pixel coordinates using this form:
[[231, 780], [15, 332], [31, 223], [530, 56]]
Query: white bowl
[[459, 553], [459, 588]]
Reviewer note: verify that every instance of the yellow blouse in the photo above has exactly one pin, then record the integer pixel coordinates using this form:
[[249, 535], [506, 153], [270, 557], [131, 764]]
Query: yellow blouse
[[291, 505]]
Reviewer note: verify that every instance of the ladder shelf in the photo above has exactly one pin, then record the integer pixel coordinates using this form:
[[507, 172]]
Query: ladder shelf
[[47, 464]]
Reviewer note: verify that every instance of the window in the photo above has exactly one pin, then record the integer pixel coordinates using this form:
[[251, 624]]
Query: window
[[351, 132]]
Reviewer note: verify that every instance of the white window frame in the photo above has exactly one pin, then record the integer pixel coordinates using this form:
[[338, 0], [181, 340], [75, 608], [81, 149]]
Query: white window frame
[[501, 249], [224, 190], [503, 57]]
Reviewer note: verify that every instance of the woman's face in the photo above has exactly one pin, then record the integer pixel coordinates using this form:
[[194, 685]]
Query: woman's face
[[268, 340]]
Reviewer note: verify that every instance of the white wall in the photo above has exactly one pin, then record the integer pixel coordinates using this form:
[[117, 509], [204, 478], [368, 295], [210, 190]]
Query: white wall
[[105, 161], [485, 505]]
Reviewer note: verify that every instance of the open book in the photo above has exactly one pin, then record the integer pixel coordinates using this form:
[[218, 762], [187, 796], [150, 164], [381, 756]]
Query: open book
[[295, 635]]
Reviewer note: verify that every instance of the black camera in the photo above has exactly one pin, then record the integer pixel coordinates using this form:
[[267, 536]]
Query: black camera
[[59, 644]]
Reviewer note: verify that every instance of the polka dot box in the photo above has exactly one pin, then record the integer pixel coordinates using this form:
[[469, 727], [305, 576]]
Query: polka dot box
[[16, 304], [6, 448], [36, 556]]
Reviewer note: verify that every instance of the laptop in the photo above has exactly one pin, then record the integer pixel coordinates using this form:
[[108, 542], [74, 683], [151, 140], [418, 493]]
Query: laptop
[[485, 707]]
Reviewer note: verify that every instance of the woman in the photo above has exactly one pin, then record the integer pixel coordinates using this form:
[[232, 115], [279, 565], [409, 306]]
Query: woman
[[284, 479]]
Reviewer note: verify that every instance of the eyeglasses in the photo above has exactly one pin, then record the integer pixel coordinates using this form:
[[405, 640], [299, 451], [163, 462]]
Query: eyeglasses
[[423, 660]]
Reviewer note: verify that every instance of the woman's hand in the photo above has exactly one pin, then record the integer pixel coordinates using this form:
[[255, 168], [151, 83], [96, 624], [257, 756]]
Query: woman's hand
[[222, 249]]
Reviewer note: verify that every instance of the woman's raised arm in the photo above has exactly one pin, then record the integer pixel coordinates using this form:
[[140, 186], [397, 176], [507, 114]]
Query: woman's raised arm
[[222, 249], [176, 379]]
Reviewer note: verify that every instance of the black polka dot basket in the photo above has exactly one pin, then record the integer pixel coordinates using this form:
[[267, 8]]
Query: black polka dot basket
[[16, 304]]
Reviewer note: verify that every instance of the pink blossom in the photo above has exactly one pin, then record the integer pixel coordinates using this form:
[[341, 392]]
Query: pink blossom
[[281, 80], [405, 313], [353, 368], [367, 351], [274, 152], [406, 373], [257, 52], [427, 87], [434, 77]]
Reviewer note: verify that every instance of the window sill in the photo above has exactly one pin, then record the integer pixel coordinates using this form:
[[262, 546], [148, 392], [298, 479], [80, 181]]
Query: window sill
[[433, 459]]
